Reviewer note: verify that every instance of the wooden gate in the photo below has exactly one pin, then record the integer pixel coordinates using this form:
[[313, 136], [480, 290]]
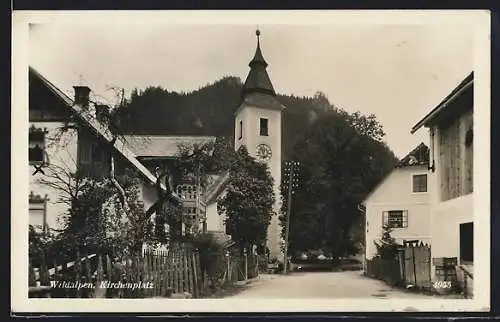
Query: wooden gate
[[417, 265]]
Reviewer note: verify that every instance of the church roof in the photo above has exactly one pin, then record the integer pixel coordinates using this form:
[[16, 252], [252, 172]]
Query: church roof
[[258, 80], [162, 145]]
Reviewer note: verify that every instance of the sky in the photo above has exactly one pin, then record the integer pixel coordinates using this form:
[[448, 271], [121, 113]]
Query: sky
[[397, 72]]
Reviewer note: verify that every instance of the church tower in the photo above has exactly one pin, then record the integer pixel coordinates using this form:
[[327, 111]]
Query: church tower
[[258, 127]]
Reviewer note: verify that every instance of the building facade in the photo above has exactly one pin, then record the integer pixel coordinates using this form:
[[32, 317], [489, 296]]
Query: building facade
[[68, 135], [451, 128], [160, 153], [400, 201], [258, 128]]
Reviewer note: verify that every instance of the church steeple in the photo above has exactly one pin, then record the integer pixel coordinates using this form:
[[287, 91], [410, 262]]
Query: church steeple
[[258, 80]]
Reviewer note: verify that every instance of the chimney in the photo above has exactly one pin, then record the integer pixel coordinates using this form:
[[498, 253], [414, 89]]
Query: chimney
[[82, 96], [102, 113]]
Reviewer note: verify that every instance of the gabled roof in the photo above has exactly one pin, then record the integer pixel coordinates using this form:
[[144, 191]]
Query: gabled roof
[[417, 157], [467, 83], [98, 128], [217, 187], [162, 145], [420, 153]]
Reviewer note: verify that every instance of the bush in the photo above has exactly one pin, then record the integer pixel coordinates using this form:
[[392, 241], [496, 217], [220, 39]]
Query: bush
[[212, 258], [387, 248]]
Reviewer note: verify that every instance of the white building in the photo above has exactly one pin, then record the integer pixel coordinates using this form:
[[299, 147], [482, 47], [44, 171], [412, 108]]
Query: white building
[[216, 190], [401, 201], [86, 145], [451, 127], [258, 128]]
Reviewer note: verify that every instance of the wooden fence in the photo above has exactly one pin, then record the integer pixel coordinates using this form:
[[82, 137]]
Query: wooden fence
[[411, 266], [240, 267], [416, 265], [385, 270], [150, 275]]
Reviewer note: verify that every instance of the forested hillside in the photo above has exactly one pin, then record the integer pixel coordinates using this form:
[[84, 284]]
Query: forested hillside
[[342, 155], [209, 111]]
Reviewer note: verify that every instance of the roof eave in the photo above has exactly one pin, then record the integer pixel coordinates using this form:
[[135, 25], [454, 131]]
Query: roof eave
[[99, 130], [432, 115]]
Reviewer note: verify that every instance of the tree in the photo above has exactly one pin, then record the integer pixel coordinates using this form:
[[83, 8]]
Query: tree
[[248, 203], [342, 158], [105, 212], [387, 248]]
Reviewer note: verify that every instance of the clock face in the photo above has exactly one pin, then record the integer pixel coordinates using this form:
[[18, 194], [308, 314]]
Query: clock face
[[264, 152]]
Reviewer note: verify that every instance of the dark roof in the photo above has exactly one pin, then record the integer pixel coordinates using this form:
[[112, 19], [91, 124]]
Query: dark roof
[[468, 82], [261, 100], [258, 80], [417, 157]]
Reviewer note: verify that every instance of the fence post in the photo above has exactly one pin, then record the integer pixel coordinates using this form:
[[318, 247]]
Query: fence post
[[32, 275], [194, 263], [465, 284], [44, 272], [246, 262], [228, 266], [414, 265]]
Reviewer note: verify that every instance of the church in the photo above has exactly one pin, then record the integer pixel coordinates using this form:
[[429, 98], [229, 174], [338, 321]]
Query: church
[[258, 128]]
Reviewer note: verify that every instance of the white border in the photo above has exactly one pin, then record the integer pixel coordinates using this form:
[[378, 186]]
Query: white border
[[479, 20]]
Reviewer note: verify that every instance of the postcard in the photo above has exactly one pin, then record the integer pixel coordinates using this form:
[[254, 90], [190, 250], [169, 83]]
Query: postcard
[[250, 161]]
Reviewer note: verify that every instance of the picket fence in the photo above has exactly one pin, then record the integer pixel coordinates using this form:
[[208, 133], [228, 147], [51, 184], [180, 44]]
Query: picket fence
[[159, 273]]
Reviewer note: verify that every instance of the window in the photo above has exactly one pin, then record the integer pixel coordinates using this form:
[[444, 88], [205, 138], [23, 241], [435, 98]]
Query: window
[[85, 152], [419, 183], [240, 130], [92, 156], [36, 148], [395, 218], [264, 131], [37, 212], [467, 242]]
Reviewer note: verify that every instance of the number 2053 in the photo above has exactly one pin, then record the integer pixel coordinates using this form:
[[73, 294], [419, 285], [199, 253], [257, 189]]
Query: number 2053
[[442, 284]]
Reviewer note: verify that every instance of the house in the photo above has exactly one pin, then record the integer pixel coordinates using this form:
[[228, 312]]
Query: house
[[400, 201], [451, 127], [84, 146], [159, 153], [217, 189]]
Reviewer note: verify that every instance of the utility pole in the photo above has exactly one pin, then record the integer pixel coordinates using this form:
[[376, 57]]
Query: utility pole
[[292, 183]]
